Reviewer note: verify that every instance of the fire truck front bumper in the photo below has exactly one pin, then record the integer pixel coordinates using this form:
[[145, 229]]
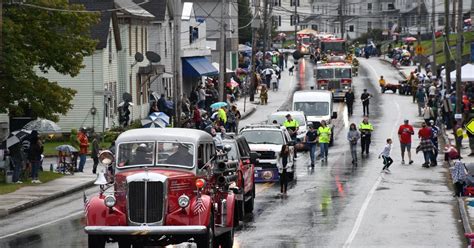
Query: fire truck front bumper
[[145, 230]]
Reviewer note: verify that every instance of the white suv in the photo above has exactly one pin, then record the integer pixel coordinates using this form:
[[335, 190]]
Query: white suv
[[267, 141]]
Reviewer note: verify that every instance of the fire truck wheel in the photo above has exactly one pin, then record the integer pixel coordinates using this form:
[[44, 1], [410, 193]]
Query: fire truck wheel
[[227, 239], [248, 205], [124, 244], [96, 241], [207, 240]]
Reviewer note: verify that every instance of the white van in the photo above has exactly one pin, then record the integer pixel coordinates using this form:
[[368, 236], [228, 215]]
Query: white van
[[317, 105]]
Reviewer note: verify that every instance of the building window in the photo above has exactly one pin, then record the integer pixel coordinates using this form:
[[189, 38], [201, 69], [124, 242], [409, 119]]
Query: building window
[[292, 18], [130, 40], [369, 7], [369, 26], [292, 2], [441, 20], [314, 27], [142, 33], [351, 28], [146, 39], [279, 21], [277, 3], [136, 39], [390, 6]]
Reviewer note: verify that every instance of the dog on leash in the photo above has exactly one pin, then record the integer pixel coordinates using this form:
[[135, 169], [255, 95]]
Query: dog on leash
[[290, 71]]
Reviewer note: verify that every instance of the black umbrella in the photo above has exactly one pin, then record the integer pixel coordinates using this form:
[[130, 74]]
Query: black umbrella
[[17, 137]]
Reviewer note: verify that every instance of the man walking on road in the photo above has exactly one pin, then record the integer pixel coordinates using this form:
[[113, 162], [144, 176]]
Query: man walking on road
[[365, 129], [365, 101], [405, 132], [421, 100], [310, 140], [349, 97], [434, 140], [324, 133]]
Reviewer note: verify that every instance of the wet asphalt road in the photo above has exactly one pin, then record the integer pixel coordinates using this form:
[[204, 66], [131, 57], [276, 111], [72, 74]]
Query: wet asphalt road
[[334, 205]]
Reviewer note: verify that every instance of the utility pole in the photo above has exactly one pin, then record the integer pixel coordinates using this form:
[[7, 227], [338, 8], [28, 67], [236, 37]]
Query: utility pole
[[222, 53], [460, 41], [1, 37], [341, 17], [265, 28], [454, 16], [447, 66], [433, 42], [178, 81], [295, 16], [254, 52], [418, 56], [270, 25]]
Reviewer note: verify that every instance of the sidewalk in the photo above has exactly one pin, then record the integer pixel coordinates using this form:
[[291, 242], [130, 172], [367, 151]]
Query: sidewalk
[[30, 196]]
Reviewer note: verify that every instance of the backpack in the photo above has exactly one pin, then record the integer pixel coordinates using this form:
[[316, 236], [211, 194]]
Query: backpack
[[231, 117]]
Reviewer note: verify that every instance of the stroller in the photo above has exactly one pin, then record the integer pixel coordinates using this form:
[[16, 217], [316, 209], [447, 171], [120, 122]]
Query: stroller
[[67, 162]]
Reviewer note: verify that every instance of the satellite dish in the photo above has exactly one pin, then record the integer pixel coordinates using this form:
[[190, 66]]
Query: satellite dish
[[153, 57], [138, 57], [127, 97]]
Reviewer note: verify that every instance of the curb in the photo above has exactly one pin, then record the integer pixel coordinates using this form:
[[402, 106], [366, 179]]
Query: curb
[[15, 209], [402, 74], [248, 113], [461, 205]]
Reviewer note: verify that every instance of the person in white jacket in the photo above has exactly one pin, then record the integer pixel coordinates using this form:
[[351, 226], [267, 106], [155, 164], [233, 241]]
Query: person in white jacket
[[385, 154], [283, 161]]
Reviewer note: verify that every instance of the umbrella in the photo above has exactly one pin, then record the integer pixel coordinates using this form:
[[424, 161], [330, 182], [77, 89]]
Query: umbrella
[[66, 148], [17, 137], [160, 115], [268, 71], [42, 126], [217, 105], [282, 34], [123, 103], [410, 39], [156, 119]]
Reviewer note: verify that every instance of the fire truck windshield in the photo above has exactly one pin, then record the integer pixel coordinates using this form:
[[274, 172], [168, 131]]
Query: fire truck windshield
[[337, 47], [325, 73], [146, 154], [313, 108], [343, 73]]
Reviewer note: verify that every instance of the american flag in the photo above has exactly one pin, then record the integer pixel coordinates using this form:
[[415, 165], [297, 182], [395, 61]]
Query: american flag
[[199, 207], [86, 203]]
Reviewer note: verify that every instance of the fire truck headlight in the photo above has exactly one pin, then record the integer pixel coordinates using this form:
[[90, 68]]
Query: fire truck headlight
[[346, 87], [110, 201], [183, 201], [323, 88]]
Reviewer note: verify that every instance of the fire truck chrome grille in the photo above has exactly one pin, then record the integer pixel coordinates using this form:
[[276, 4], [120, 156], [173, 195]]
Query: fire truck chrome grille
[[145, 201]]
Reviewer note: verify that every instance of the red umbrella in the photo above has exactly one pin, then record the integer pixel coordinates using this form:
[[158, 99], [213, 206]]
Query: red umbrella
[[410, 39]]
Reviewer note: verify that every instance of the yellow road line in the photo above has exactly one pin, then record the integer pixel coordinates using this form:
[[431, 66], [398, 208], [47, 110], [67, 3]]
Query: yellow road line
[[263, 187]]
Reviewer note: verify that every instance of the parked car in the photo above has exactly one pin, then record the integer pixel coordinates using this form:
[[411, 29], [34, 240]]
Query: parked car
[[240, 153], [267, 141], [170, 186]]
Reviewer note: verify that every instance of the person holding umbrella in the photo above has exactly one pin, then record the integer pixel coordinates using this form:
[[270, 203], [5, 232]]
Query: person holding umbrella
[[34, 156]]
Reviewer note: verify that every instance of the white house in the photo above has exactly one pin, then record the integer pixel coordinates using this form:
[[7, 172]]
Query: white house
[[96, 84]]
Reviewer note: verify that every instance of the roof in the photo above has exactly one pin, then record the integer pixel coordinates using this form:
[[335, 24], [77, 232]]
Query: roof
[[154, 7], [133, 9], [164, 134], [312, 95], [100, 31]]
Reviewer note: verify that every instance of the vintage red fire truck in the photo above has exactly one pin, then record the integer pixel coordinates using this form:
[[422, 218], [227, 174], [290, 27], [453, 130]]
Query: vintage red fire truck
[[168, 186]]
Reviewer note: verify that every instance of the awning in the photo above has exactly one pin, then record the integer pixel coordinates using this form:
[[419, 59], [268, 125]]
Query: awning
[[197, 67]]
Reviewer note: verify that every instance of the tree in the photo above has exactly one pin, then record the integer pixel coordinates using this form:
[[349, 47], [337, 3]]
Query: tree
[[38, 39], [245, 17]]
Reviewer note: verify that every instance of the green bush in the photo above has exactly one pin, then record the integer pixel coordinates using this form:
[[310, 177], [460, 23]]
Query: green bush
[[135, 124], [110, 136]]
